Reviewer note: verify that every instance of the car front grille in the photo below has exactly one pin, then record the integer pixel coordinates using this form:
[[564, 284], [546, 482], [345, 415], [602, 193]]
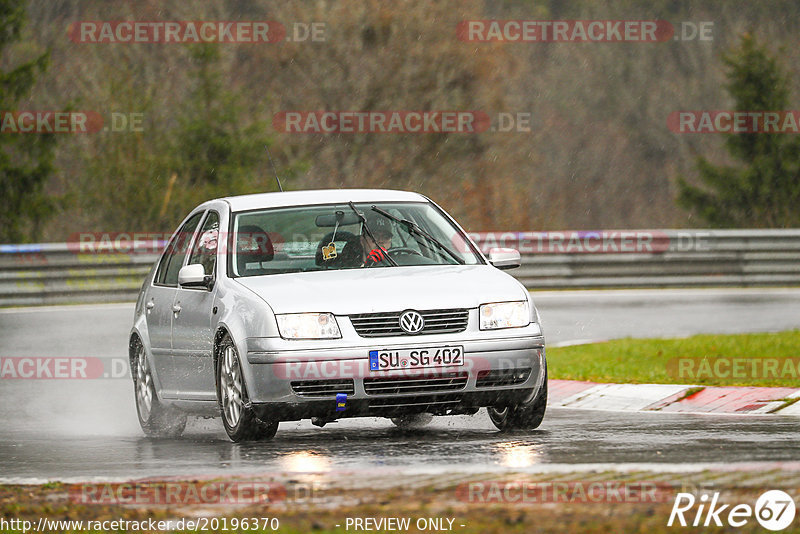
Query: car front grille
[[421, 384], [417, 403], [388, 324], [502, 377], [322, 388]]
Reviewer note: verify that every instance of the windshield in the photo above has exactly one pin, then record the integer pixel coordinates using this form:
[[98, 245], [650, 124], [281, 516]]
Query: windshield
[[345, 236]]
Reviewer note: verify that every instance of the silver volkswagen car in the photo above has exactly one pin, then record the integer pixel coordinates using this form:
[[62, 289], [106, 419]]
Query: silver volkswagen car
[[329, 304]]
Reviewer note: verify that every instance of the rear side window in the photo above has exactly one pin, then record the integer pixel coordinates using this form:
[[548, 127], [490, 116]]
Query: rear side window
[[174, 254]]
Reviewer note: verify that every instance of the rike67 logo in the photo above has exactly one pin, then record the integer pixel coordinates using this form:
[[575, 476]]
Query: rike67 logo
[[774, 510]]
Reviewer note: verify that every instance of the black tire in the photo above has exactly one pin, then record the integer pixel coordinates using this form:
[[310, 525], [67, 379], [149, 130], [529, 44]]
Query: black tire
[[238, 417], [527, 415], [156, 419], [416, 420]]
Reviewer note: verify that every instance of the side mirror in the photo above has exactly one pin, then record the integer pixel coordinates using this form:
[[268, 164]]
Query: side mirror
[[194, 275], [505, 258]]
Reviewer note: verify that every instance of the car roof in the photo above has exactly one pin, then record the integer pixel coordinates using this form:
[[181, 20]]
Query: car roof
[[319, 196]]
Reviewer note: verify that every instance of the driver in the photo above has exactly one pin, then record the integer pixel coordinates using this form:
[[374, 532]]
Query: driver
[[374, 253]]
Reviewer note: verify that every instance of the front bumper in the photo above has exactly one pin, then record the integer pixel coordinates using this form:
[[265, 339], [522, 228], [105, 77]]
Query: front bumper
[[287, 383]]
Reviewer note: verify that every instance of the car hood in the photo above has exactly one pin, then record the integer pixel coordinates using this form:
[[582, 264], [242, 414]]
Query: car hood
[[345, 292]]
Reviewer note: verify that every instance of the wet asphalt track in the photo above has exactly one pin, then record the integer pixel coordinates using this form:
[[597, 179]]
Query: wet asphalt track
[[76, 430]]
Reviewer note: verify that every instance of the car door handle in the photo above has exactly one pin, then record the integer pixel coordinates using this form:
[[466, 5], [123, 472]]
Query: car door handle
[[176, 308], [150, 305]]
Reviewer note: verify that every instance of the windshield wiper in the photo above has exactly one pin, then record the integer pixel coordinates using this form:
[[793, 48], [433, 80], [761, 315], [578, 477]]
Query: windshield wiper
[[369, 232], [414, 228]]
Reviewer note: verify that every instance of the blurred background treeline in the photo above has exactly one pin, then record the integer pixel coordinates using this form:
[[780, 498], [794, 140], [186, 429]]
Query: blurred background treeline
[[599, 153]]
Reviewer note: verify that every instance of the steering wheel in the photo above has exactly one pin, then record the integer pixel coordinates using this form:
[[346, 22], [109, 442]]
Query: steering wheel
[[394, 252], [402, 250]]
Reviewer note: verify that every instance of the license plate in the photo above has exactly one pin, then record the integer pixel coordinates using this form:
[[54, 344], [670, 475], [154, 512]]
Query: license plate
[[417, 358]]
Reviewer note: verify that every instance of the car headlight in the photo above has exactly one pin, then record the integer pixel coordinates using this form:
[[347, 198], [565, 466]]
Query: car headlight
[[504, 315], [308, 326]]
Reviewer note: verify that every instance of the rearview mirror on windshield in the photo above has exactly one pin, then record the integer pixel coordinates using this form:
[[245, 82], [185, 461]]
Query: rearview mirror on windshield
[[329, 220]]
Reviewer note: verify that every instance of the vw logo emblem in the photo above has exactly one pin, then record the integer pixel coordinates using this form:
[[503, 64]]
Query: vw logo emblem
[[411, 322]]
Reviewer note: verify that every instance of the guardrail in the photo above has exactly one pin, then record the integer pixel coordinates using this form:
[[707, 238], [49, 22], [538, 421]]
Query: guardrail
[[60, 272], [653, 258], [52, 273]]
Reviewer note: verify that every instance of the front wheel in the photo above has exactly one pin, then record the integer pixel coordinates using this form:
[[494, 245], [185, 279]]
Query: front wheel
[[238, 417], [524, 416], [156, 420]]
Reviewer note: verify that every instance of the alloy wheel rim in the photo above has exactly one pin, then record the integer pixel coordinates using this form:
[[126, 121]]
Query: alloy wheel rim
[[144, 386], [231, 387]]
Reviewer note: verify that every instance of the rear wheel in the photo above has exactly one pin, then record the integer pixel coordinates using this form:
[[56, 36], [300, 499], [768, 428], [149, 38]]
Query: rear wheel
[[524, 416], [238, 417], [416, 420], [156, 420]]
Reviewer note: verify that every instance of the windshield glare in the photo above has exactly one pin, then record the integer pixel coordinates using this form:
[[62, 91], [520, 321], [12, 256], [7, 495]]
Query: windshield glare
[[332, 237]]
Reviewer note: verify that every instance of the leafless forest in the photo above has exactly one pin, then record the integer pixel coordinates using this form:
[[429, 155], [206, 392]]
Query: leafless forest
[[598, 154]]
